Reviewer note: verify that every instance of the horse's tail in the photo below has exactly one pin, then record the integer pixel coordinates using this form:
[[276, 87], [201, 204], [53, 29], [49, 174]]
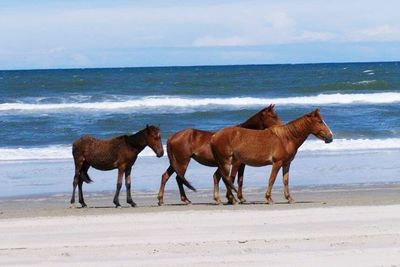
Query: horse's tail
[[85, 177], [186, 183], [174, 163]]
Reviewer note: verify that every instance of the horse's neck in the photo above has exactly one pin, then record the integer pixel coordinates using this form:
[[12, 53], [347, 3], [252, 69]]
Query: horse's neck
[[138, 140], [295, 132], [253, 122]]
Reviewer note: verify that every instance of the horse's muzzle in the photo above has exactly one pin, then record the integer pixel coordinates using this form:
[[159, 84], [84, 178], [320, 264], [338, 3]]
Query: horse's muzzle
[[328, 140], [160, 153]]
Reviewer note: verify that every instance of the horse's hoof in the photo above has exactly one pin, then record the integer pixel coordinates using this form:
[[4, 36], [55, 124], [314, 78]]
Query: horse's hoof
[[269, 201], [72, 206], [218, 202], [118, 207], [187, 202], [160, 203], [232, 201], [84, 206], [242, 200], [291, 201], [133, 204]]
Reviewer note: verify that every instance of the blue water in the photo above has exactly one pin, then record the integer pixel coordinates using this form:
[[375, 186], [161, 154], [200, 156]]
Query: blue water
[[43, 111], [37, 127]]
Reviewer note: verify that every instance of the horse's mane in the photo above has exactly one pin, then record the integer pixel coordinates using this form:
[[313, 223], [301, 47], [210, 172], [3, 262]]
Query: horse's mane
[[292, 129], [136, 139], [255, 120]]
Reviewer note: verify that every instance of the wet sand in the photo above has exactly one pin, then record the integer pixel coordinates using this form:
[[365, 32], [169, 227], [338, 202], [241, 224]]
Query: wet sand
[[351, 225], [100, 203]]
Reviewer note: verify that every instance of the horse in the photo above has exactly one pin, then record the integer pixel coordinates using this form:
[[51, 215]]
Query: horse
[[116, 153], [193, 143], [276, 146]]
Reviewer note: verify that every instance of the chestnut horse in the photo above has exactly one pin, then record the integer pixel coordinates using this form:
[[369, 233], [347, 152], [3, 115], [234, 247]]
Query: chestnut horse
[[276, 146], [193, 143], [117, 153]]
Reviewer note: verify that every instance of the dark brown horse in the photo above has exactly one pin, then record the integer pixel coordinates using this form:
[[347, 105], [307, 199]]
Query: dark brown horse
[[193, 143], [117, 153], [276, 146]]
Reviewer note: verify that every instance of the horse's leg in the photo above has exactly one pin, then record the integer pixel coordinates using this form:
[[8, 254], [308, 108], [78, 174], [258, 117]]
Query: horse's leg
[[180, 169], [119, 185], [234, 170], [240, 184], [84, 169], [128, 187], [74, 185], [182, 190], [217, 178], [224, 170], [237, 167], [164, 180], [275, 169], [285, 170], [78, 167]]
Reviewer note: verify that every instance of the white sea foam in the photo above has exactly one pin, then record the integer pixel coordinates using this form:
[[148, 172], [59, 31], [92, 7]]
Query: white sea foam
[[365, 82], [351, 144], [57, 152], [206, 103], [53, 152], [368, 71]]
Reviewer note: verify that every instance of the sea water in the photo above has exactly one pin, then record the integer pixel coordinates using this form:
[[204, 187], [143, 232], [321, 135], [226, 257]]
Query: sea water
[[43, 111]]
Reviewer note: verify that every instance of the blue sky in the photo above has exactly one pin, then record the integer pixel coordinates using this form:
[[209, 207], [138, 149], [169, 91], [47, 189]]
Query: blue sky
[[80, 34]]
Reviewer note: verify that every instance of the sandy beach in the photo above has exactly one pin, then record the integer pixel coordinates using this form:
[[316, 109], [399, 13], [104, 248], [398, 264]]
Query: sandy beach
[[355, 225]]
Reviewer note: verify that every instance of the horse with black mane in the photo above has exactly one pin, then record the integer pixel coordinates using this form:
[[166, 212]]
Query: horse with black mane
[[116, 153]]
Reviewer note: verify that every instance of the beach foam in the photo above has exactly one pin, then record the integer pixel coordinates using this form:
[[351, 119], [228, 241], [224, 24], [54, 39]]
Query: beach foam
[[338, 145], [183, 102]]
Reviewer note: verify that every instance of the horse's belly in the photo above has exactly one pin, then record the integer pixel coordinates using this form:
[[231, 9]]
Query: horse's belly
[[205, 156], [103, 167], [254, 160], [206, 161], [102, 162], [258, 163]]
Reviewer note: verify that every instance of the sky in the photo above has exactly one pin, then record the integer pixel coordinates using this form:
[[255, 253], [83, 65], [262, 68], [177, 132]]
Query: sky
[[80, 34]]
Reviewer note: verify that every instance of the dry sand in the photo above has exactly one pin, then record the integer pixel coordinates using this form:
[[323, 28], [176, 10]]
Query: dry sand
[[335, 226]]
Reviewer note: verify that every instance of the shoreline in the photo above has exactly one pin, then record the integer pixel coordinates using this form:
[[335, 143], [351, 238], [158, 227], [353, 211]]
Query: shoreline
[[100, 203]]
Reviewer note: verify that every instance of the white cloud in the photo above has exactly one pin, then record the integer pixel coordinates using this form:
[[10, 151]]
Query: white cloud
[[380, 33], [74, 33]]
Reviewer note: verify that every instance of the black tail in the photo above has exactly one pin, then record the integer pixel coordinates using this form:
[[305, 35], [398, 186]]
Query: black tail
[[186, 183], [86, 178]]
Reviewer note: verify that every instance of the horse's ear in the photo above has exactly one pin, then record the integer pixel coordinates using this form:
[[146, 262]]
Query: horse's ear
[[316, 111], [147, 127], [269, 108]]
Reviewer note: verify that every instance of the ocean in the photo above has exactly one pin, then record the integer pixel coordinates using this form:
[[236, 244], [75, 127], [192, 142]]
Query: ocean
[[43, 111]]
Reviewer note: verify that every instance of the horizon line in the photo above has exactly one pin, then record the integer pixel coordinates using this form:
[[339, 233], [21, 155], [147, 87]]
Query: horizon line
[[199, 65]]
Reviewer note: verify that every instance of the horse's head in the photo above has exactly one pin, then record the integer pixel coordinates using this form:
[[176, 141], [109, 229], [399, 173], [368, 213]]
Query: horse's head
[[319, 127], [269, 117], [153, 138]]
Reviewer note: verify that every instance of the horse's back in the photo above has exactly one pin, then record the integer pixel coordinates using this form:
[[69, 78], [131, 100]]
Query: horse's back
[[90, 146], [191, 143]]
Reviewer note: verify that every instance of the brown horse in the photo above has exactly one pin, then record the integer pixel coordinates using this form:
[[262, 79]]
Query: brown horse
[[117, 153], [193, 143], [276, 146]]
